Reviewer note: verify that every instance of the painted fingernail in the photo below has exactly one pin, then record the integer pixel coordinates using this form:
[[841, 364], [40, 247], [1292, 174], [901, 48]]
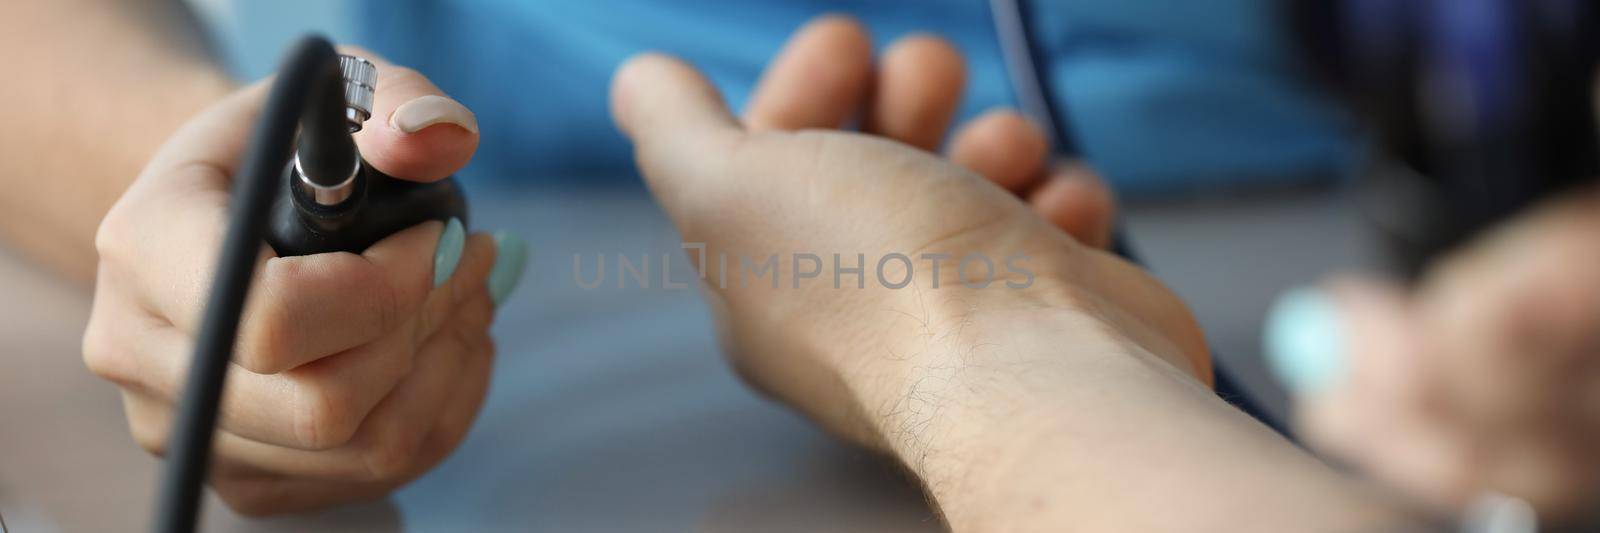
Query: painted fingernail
[[508, 265], [425, 111], [451, 243], [1303, 341]]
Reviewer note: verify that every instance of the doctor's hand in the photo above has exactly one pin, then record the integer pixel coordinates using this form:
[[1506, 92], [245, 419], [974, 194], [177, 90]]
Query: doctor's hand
[[1485, 379], [353, 373], [766, 188]]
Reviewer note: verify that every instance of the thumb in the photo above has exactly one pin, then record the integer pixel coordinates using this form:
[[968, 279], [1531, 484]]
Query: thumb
[[1350, 330], [416, 132], [681, 129], [1366, 381]]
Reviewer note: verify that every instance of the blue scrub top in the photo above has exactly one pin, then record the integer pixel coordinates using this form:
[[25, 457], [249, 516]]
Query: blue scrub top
[[1163, 96]]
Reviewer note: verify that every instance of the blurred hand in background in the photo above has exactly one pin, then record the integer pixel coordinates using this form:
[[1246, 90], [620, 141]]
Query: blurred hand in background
[[1484, 379]]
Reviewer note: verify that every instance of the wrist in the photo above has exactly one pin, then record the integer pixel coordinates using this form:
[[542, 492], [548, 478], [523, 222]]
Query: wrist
[[979, 401], [976, 390]]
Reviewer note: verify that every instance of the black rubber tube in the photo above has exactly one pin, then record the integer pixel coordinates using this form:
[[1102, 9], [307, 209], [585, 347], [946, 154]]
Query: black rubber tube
[[327, 152], [310, 75]]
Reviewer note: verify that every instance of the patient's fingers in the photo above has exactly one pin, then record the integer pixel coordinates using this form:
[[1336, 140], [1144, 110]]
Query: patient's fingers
[[819, 79], [1002, 146], [920, 81], [824, 75], [1075, 199]]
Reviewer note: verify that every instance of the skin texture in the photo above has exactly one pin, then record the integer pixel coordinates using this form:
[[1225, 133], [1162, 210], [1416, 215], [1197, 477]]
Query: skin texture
[[1000, 145]]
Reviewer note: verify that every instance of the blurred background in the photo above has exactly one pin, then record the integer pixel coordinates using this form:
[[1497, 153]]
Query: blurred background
[[1230, 168]]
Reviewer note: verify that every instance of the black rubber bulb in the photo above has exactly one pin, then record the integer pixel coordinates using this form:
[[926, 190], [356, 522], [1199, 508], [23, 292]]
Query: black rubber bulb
[[330, 200], [380, 206]]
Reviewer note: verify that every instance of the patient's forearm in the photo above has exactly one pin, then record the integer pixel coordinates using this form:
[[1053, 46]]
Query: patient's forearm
[[92, 88], [1038, 419]]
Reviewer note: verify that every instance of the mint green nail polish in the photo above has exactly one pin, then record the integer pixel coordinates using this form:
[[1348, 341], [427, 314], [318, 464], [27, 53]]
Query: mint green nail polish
[[451, 244], [508, 264], [1304, 341]]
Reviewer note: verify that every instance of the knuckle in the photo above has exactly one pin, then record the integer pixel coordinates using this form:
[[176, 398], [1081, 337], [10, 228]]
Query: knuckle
[[394, 456], [465, 340], [97, 352], [270, 340], [479, 316], [323, 416], [398, 77], [487, 347], [386, 303], [152, 439], [245, 498], [110, 236], [358, 51], [401, 363], [748, 371], [266, 349], [102, 356], [426, 323]]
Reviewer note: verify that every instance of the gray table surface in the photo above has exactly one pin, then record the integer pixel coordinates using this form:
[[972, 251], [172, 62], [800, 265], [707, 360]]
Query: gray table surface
[[611, 409]]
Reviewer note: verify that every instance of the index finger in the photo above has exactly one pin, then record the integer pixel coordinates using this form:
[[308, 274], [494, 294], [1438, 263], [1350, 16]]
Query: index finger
[[216, 137], [308, 307]]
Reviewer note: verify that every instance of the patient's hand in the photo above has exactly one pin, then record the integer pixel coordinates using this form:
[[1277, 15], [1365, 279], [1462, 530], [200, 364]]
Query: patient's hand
[[1017, 404], [780, 183], [352, 373], [1067, 395]]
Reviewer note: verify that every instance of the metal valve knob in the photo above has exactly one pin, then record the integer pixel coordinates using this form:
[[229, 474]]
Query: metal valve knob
[[360, 81]]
